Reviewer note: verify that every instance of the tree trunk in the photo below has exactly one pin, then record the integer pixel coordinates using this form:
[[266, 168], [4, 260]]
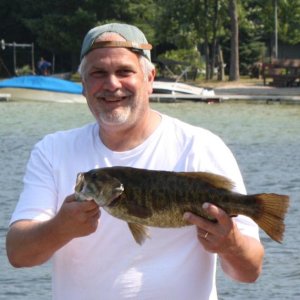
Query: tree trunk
[[234, 73], [214, 39], [206, 46], [221, 73]]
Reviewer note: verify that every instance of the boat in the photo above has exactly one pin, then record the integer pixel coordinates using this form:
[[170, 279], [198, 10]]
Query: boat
[[53, 89], [42, 88], [173, 91]]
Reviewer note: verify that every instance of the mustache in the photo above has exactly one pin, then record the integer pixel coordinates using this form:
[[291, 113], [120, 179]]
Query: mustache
[[116, 94]]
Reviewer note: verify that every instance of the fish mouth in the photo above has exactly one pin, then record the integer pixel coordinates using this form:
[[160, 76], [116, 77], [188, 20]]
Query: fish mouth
[[83, 194]]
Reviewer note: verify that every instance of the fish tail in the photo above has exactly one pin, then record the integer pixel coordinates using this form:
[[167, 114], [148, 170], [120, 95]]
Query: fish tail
[[271, 219]]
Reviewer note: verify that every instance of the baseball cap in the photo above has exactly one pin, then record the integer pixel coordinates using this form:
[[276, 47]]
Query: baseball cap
[[135, 39]]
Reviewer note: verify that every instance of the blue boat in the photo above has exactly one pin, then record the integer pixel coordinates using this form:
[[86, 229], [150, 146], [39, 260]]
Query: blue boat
[[45, 83], [43, 88]]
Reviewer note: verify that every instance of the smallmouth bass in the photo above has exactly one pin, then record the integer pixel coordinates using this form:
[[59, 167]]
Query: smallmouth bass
[[160, 198]]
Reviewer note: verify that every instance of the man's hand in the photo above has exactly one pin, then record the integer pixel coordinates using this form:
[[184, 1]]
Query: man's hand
[[241, 256], [77, 218], [217, 236]]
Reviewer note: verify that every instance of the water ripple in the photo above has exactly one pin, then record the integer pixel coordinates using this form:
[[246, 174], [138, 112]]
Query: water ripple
[[264, 139]]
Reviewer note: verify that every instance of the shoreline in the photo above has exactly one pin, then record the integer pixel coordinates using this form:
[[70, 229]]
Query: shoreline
[[251, 90]]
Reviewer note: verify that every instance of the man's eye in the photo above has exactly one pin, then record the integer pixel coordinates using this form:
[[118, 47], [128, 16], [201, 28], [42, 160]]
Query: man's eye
[[125, 72], [98, 73]]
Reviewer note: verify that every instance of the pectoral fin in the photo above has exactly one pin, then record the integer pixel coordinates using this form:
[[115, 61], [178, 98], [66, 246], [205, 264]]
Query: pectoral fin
[[139, 232]]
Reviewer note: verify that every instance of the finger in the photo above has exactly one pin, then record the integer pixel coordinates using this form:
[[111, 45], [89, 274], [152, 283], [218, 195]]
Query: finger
[[203, 234], [95, 213], [70, 198], [89, 205], [217, 213], [191, 218], [196, 220]]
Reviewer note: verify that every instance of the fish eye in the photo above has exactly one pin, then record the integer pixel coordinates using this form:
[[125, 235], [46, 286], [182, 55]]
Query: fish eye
[[93, 175]]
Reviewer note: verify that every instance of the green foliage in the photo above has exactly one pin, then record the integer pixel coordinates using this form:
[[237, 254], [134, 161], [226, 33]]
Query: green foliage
[[25, 70], [59, 32], [188, 60], [58, 27], [289, 22], [252, 48], [189, 56]]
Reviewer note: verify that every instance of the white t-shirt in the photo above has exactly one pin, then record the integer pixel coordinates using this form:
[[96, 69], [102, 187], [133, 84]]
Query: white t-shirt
[[108, 264]]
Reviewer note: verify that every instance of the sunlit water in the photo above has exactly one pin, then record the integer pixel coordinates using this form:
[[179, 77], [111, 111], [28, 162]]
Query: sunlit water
[[264, 138]]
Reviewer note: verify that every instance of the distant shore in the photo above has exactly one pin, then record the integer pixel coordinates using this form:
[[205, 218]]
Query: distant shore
[[247, 89]]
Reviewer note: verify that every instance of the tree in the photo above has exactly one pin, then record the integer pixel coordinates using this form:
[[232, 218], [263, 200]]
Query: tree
[[60, 28], [234, 44]]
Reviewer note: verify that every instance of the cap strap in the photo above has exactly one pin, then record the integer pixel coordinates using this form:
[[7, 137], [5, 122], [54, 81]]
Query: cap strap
[[121, 44]]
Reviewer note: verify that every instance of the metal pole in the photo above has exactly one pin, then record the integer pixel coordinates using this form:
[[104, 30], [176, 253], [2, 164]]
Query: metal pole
[[15, 58], [32, 58]]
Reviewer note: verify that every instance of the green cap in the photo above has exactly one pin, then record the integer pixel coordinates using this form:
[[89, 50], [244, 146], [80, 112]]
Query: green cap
[[135, 39]]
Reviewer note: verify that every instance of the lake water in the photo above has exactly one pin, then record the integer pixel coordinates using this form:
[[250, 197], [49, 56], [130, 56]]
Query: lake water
[[264, 138]]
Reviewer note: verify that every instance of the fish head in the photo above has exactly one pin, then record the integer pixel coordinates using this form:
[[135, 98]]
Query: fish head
[[99, 186]]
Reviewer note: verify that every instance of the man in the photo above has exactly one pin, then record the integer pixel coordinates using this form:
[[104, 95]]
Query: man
[[95, 257], [43, 67]]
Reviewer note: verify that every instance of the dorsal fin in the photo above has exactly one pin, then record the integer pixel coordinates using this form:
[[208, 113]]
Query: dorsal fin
[[218, 181]]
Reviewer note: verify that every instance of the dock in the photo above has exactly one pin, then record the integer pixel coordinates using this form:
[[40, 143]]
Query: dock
[[238, 93], [177, 97], [266, 94]]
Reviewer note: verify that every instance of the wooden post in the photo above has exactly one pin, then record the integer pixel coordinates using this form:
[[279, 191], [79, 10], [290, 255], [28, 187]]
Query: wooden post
[[221, 73]]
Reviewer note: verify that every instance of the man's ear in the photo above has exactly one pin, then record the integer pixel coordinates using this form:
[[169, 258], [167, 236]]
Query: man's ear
[[151, 77], [83, 89], [152, 74]]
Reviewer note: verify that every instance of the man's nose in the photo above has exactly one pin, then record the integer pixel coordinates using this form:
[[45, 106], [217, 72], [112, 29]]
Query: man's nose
[[112, 82]]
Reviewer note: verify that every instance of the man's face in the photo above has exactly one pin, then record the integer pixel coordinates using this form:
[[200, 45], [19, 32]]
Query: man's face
[[116, 88]]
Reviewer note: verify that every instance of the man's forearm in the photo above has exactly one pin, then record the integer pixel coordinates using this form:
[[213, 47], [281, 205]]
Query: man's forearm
[[31, 243], [243, 263]]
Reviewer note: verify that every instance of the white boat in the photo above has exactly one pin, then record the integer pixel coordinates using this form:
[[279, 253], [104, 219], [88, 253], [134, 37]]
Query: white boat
[[172, 91]]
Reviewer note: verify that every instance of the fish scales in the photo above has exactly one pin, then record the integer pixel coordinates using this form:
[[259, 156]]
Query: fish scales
[[160, 198], [158, 192]]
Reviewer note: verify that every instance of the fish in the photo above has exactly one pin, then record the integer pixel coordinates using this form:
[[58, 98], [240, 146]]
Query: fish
[[144, 198]]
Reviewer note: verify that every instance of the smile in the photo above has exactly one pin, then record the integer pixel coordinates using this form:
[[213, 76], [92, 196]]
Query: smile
[[113, 99]]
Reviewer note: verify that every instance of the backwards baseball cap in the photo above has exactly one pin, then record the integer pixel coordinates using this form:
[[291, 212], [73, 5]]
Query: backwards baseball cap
[[135, 39]]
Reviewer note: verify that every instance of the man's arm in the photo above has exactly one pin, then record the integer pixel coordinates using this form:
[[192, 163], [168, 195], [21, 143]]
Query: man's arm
[[241, 256], [30, 243]]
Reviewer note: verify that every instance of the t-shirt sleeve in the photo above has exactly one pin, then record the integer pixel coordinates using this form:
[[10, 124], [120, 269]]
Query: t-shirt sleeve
[[38, 199]]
